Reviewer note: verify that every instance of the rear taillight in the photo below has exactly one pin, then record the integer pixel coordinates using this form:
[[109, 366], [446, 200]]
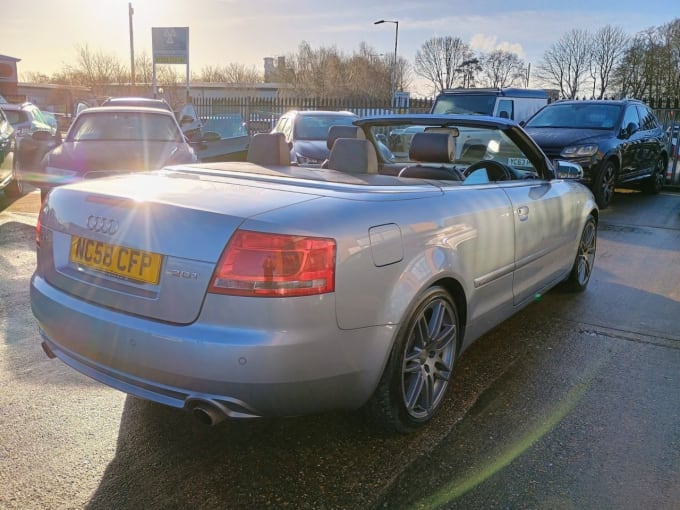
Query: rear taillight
[[275, 265]]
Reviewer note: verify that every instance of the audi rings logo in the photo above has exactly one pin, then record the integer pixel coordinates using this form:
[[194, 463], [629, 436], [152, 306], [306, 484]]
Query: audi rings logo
[[101, 224]]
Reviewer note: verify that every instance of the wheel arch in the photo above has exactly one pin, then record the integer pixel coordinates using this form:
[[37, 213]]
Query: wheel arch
[[614, 157], [457, 293]]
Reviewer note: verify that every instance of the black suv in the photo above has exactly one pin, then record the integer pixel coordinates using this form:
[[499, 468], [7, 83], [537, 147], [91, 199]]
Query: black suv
[[617, 142]]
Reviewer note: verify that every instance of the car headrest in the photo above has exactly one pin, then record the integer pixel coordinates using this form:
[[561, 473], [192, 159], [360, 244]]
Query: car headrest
[[335, 132], [352, 155], [268, 149], [432, 148]]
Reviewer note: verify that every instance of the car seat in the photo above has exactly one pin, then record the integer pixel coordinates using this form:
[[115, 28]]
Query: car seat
[[268, 149]]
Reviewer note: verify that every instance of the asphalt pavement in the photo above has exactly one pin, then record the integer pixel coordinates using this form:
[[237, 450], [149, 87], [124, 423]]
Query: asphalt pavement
[[574, 403]]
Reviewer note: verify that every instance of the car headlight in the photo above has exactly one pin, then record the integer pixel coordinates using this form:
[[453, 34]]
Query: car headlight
[[577, 151], [304, 160]]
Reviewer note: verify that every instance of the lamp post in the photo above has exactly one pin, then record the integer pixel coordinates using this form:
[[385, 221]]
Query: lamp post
[[131, 11], [394, 64]]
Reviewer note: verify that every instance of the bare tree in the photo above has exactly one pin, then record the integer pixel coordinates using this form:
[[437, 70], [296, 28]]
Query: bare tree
[[565, 64], [97, 69], [230, 73], [143, 68], [35, 77], [439, 61], [631, 75], [608, 47], [503, 69], [327, 72], [651, 64]]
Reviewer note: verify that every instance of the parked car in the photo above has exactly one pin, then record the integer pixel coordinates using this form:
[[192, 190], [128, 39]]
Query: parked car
[[29, 120], [227, 125], [262, 288], [7, 145], [307, 132], [111, 140], [618, 143], [187, 117], [225, 138]]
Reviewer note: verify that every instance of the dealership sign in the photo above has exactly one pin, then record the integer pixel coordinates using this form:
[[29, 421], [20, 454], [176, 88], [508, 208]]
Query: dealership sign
[[170, 45]]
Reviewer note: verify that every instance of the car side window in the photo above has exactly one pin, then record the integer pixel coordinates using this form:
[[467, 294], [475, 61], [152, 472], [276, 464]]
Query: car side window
[[648, 120], [505, 109], [631, 117]]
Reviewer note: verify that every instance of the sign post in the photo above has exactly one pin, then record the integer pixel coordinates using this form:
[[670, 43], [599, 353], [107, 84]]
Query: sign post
[[170, 45]]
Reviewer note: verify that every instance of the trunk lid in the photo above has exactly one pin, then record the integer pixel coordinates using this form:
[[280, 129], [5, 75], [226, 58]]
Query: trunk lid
[[147, 245]]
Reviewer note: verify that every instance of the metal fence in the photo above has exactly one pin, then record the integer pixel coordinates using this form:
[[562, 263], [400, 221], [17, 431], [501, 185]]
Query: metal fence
[[668, 112], [261, 114]]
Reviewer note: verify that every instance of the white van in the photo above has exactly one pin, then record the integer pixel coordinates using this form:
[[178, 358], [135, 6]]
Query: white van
[[510, 103]]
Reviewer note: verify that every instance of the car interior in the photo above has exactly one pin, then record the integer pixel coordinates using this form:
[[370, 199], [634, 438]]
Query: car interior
[[431, 155]]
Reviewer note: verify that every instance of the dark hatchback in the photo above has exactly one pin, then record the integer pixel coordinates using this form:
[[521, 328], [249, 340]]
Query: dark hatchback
[[617, 142]]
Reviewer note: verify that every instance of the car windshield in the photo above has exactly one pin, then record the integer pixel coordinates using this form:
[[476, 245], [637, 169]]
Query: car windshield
[[315, 127], [470, 145], [470, 104], [577, 115], [124, 126], [227, 126]]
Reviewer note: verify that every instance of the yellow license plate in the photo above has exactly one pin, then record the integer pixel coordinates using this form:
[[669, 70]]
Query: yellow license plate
[[130, 263]]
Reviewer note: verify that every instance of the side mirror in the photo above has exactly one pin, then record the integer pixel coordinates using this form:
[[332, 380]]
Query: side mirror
[[629, 130], [567, 170]]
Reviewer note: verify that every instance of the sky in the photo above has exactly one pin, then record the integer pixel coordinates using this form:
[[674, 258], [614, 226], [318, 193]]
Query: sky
[[45, 34]]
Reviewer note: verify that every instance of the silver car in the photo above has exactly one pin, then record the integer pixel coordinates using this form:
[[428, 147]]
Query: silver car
[[109, 140], [252, 289]]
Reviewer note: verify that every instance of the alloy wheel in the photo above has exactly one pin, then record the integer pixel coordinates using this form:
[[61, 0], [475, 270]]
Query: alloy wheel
[[585, 257], [428, 359]]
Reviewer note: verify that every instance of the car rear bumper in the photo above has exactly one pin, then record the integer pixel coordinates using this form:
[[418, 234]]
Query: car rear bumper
[[247, 372]]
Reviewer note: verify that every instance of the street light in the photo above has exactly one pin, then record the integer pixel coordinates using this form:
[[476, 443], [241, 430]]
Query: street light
[[394, 64]]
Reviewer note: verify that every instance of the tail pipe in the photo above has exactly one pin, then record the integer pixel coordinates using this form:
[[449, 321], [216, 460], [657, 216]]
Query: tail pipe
[[212, 412], [47, 350], [208, 414]]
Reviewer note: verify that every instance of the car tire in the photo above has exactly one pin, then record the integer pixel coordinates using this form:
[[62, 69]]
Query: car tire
[[578, 278], [654, 184], [417, 374], [15, 188], [604, 183]]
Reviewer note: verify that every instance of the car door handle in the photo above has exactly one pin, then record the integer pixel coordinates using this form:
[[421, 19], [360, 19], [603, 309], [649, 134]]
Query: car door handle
[[523, 213]]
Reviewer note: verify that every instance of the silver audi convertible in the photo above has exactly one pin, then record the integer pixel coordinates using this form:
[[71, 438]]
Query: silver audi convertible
[[261, 288]]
